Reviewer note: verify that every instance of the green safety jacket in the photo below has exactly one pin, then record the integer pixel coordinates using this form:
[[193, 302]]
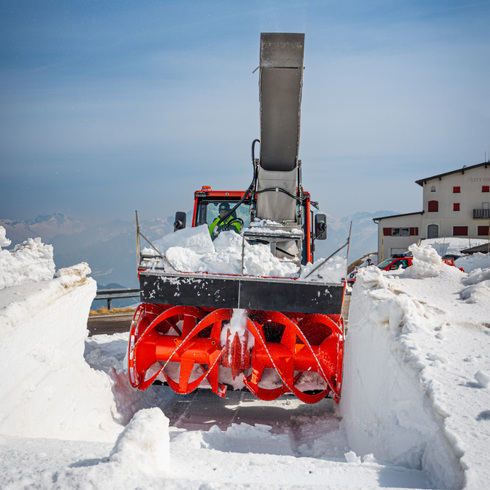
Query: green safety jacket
[[235, 226]]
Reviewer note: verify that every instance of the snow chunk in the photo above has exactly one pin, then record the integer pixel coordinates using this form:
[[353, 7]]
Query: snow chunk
[[31, 261], [74, 274], [196, 239], [184, 259], [144, 443], [426, 262], [351, 457], [477, 276], [473, 293], [4, 242], [372, 277], [482, 378], [478, 283]]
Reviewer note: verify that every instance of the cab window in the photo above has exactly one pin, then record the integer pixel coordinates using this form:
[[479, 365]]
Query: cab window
[[208, 211]]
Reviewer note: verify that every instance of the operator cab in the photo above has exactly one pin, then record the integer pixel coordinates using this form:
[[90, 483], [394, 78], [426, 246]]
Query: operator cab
[[293, 242]]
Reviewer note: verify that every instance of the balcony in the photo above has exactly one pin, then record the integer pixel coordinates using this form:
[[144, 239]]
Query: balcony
[[481, 213]]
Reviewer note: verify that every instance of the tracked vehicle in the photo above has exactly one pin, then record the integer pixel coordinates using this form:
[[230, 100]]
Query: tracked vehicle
[[289, 337]]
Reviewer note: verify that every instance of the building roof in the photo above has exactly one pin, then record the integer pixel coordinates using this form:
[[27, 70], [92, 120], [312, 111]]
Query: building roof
[[464, 168], [396, 216], [484, 249]]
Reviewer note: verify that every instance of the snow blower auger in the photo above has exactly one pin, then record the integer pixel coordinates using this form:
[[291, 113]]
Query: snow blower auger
[[270, 335]]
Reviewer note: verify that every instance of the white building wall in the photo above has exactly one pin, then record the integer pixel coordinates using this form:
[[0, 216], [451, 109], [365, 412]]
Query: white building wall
[[473, 195], [397, 241], [471, 183]]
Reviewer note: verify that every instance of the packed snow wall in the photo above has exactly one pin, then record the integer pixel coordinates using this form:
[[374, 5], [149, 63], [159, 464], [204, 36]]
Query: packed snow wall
[[387, 407], [46, 388]]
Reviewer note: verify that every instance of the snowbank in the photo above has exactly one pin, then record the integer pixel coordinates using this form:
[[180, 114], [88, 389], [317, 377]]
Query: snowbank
[[471, 262], [409, 392], [47, 389], [452, 245]]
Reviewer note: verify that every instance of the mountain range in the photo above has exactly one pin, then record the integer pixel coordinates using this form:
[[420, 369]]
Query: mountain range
[[110, 249]]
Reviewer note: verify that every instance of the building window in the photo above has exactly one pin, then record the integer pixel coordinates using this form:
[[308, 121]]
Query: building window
[[455, 206], [456, 189], [433, 188], [485, 188], [483, 230], [400, 232], [433, 206], [460, 231]]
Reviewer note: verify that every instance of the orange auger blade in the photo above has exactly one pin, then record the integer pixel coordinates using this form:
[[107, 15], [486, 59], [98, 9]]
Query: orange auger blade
[[186, 348], [288, 356], [191, 336]]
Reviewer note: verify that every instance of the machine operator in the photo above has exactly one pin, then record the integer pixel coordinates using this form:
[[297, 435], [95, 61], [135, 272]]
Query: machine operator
[[230, 223]]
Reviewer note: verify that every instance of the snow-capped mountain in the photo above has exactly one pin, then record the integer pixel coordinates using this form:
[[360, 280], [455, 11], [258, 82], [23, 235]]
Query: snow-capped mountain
[[364, 238], [45, 226]]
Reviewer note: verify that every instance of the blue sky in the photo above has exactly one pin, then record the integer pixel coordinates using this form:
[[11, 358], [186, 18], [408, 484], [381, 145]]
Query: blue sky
[[107, 107]]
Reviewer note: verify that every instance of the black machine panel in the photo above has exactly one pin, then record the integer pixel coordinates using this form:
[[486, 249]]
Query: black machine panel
[[242, 292]]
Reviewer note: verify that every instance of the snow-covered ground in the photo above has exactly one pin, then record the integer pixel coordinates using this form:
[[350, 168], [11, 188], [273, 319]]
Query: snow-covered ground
[[415, 410]]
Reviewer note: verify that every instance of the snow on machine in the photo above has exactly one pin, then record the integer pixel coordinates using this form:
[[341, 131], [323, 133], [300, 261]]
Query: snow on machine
[[272, 335]]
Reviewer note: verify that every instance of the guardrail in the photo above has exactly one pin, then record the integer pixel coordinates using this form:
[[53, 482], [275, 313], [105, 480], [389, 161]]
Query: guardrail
[[481, 213], [110, 294]]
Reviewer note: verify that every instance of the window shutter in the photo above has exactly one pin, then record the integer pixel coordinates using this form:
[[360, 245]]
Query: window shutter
[[387, 231], [460, 231], [433, 206]]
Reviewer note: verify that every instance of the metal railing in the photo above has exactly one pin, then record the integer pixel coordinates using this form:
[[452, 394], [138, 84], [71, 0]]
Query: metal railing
[[481, 213], [110, 294]]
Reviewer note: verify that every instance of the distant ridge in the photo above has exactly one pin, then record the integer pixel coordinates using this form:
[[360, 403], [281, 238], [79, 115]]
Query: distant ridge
[[110, 248], [364, 234], [45, 226]]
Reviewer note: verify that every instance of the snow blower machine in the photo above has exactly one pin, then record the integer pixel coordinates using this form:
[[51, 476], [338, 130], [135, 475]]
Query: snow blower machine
[[290, 333]]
